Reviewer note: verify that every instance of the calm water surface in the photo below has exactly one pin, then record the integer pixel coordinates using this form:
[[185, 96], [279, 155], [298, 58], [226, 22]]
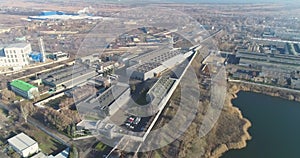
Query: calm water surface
[[275, 127]]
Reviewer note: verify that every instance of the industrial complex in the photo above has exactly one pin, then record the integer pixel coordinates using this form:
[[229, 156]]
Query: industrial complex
[[128, 80], [110, 112]]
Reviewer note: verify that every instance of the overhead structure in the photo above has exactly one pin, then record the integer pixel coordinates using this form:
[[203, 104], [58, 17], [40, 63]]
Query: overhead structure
[[42, 49]]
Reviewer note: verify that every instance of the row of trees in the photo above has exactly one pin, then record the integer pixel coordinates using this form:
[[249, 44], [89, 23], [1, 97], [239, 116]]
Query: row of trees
[[61, 119], [27, 109], [7, 95]]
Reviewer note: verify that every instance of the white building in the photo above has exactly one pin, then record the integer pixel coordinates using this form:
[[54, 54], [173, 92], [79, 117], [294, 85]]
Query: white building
[[24, 145], [15, 55]]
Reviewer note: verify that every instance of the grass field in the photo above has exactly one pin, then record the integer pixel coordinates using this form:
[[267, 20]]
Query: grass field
[[46, 143]]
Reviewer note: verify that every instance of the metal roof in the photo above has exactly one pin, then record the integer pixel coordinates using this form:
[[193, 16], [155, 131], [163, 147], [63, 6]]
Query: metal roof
[[39, 155], [21, 141], [63, 154], [17, 45], [24, 86]]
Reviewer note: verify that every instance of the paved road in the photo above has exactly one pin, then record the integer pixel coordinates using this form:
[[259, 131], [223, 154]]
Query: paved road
[[60, 137], [264, 85]]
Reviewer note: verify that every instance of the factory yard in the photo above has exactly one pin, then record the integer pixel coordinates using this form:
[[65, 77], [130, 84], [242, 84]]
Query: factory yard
[[76, 78]]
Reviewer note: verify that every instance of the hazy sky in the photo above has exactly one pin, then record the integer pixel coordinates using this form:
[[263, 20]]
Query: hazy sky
[[181, 1], [233, 1], [205, 1]]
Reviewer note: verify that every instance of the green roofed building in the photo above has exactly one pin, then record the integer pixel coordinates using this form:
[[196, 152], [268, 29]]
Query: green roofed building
[[24, 89]]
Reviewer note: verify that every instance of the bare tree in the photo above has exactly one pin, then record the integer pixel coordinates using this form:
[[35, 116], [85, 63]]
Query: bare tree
[[7, 95], [2, 114], [27, 109]]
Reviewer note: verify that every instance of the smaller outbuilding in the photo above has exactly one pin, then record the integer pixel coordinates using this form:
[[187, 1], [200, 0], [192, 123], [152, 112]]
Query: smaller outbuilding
[[24, 145]]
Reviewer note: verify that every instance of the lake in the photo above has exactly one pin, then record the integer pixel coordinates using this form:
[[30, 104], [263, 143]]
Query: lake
[[275, 127]]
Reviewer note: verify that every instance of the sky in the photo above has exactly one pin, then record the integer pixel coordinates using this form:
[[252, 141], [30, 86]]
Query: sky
[[207, 1], [192, 1], [235, 1]]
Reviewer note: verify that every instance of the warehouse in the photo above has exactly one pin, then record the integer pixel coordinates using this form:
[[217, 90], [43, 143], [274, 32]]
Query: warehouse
[[24, 145], [24, 89]]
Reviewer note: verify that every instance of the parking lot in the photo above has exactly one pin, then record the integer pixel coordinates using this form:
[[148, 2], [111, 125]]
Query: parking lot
[[120, 117]]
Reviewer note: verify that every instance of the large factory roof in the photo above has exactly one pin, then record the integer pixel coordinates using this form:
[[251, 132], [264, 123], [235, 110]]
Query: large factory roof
[[66, 74], [24, 86], [47, 13], [159, 56], [97, 105], [106, 98], [263, 58], [161, 87], [147, 67], [155, 59]]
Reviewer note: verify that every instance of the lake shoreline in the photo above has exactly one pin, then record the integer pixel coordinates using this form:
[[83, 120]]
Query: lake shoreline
[[223, 148], [233, 90]]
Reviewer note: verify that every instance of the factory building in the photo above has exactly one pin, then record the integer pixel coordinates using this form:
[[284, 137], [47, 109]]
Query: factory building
[[108, 66], [24, 89], [58, 56], [24, 145], [145, 71], [15, 55], [153, 64], [106, 103], [263, 59], [68, 77], [159, 90]]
